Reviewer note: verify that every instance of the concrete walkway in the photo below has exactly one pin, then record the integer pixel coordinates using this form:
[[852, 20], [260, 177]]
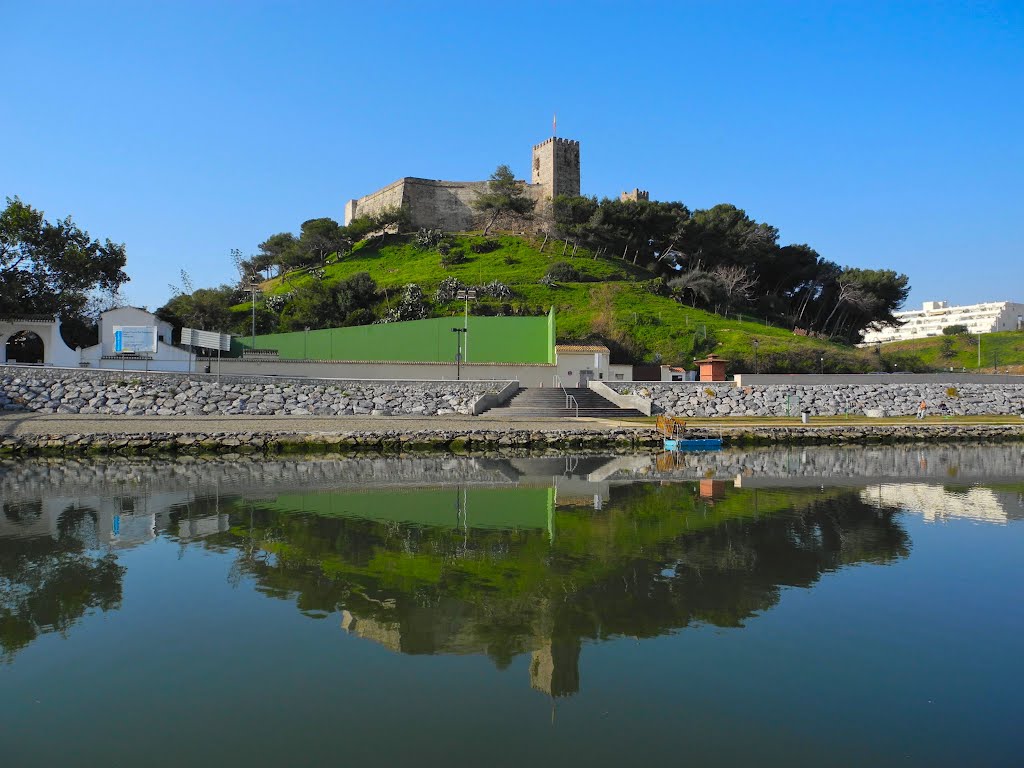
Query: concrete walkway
[[67, 424]]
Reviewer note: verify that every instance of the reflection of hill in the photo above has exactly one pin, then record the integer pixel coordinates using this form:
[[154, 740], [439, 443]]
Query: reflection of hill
[[524, 555], [657, 559]]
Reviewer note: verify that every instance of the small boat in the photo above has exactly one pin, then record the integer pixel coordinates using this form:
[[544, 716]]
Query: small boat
[[672, 431], [697, 444]]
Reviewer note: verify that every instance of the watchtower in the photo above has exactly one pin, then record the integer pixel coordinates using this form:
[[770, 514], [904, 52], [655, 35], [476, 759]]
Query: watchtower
[[556, 166]]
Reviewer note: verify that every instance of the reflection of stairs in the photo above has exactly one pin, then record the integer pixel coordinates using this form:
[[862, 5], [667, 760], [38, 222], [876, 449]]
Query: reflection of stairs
[[549, 402]]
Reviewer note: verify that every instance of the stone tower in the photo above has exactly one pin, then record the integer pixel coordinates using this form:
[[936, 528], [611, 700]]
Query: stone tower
[[556, 166]]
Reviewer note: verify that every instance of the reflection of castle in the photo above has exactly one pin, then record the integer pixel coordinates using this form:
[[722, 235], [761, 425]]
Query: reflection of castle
[[555, 668]]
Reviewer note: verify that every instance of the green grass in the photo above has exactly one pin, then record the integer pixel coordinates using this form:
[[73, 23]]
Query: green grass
[[1005, 348], [611, 304]]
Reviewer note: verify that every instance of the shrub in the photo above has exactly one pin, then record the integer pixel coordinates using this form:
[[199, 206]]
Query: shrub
[[428, 238], [563, 272], [447, 289], [709, 391], [495, 290], [955, 330], [952, 392], [412, 305], [657, 286], [485, 247], [452, 257]]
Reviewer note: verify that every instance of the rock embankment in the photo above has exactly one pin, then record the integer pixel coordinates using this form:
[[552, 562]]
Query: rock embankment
[[460, 441], [80, 392], [711, 399]]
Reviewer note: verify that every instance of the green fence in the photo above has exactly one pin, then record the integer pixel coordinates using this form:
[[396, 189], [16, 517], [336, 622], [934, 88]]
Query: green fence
[[488, 340]]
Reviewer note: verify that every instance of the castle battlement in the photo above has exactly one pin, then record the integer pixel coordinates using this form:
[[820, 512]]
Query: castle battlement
[[636, 195], [557, 140]]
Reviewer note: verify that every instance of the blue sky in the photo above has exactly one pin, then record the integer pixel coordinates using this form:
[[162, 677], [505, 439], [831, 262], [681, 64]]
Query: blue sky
[[882, 134]]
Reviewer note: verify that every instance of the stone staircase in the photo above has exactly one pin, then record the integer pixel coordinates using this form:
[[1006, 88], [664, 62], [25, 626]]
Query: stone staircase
[[549, 402]]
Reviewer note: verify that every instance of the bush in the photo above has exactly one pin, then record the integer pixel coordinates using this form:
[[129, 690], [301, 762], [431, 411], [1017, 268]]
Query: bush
[[428, 238], [495, 290], [452, 257], [955, 330], [485, 247], [562, 272], [412, 305]]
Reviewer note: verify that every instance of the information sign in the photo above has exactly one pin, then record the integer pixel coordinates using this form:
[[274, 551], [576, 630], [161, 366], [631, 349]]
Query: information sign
[[134, 339]]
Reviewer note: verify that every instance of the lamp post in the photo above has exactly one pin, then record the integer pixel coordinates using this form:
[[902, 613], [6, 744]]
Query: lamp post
[[822, 361], [756, 345], [305, 344], [458, 352], [254, 288], [466, 296]]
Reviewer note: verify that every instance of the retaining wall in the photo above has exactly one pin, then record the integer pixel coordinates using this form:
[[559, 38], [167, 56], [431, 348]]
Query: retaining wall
[[709, 399], [49, 390]]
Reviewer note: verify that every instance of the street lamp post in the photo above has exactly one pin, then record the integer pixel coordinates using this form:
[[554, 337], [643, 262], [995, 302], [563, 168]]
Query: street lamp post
[[756, 345], [254, 288], [467, 296], [822, 361], [458, 352]]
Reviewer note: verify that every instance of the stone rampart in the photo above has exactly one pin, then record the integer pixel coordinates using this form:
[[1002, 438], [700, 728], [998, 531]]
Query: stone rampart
[[136, 394], [706, 399], [434, 204]]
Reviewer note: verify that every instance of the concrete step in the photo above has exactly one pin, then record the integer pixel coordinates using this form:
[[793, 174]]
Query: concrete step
[[545, 402]]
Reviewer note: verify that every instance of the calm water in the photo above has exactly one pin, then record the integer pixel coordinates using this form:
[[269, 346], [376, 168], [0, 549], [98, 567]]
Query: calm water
[[772, 608]]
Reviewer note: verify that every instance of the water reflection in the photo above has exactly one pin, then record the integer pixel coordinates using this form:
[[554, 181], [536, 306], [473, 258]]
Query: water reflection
[[500, 557]]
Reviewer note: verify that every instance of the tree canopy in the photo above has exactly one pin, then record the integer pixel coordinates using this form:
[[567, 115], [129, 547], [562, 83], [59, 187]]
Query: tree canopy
[[504, 195], [52, 267]]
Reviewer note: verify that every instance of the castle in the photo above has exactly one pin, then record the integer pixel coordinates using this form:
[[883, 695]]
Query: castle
[[448, 205]]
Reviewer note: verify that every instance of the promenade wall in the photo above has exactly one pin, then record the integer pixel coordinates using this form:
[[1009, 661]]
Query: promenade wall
[[56, 390], [869, 397]]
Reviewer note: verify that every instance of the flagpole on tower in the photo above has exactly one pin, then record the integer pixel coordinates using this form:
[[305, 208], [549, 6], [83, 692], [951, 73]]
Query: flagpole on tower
[[554, 124]]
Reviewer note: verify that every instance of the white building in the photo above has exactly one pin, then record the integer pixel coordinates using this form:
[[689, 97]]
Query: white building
[[935, 315], [134, 339]]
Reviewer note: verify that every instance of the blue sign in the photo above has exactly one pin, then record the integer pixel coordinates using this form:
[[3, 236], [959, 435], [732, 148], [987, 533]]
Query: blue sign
[[118, 341]]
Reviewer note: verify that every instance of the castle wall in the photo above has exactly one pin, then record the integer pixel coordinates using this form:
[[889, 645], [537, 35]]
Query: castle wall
[[446, 205], [432, 204], [391, 196]]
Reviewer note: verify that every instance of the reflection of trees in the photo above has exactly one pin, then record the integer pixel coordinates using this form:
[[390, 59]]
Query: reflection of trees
[[657, 559], [46, 584]]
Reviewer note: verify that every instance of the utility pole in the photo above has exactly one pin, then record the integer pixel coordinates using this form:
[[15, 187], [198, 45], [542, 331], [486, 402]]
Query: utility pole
[[466, 296], [458, 352], [254, 287]]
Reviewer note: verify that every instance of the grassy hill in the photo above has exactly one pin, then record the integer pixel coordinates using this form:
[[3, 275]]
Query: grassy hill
[[612, 301], [1003, 350]]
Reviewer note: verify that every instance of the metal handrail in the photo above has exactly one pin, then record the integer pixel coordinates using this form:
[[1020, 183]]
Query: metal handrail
[[570, 401]]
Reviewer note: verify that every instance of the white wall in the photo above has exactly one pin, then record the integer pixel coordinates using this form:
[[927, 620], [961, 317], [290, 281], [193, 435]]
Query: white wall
[[129, 316], [55, 351]]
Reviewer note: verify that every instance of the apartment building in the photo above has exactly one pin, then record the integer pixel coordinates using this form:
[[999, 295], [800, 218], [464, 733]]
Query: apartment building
[[935, 315]]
